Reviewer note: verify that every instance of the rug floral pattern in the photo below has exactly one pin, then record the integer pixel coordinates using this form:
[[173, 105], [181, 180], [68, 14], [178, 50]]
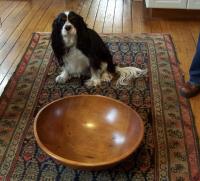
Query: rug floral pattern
[[169, 150]]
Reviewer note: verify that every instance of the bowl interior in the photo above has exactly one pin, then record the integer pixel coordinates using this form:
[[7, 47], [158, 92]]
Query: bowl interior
[[88, 129]]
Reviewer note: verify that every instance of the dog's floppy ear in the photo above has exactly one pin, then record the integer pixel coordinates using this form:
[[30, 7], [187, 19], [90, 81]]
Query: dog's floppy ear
[[59, 21], [81, 30], [77, 21], [56, 37]]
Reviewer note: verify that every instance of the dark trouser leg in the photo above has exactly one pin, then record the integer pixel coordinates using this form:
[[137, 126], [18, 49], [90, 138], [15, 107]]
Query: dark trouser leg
[[195, 66]]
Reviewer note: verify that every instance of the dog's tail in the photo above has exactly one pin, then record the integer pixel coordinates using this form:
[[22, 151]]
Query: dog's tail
[[127, 73]]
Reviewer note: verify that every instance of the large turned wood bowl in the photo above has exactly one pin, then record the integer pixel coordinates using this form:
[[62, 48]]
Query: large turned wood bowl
[[88, 132]]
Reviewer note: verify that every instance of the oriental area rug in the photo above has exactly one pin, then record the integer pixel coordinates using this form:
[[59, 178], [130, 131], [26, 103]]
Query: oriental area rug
[[170, 147]]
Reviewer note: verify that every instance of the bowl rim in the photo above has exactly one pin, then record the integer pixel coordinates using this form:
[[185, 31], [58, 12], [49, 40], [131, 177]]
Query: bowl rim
[[83, 164]]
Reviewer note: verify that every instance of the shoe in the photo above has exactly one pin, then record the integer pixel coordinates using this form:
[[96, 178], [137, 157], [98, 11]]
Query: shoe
[[189, 90]]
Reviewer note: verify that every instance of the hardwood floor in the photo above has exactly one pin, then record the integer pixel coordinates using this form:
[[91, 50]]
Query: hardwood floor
[[21, 18]]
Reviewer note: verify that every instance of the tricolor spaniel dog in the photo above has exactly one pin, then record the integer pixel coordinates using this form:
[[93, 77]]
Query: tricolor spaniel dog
[[78, 48]]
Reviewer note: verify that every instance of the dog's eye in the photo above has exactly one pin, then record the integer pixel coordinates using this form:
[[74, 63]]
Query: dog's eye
[[64, 18], [72, 18]]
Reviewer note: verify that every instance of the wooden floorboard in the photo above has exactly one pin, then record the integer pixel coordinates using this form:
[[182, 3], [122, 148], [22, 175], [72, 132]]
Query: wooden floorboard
[[109, 17], [9, 42], [127, 16], [9, 6], [140, 24], [92, 14], [21, 18], [13, 19], [4, 5], [118, 17], [25, 36], [98, 26], [86, 8]]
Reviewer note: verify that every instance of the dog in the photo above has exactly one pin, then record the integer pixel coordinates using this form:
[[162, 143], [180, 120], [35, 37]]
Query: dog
[[79, 48]]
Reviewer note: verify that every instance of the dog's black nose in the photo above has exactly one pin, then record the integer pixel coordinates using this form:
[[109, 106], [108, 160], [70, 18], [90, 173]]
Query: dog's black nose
[[68, 27]]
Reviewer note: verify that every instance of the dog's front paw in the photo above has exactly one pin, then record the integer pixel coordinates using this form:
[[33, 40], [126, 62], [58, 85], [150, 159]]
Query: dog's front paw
[[106, 77], [61, 79], [93, 82]]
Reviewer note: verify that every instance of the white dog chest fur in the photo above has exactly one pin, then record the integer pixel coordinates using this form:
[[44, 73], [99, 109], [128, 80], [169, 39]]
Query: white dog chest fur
[[75, 61]]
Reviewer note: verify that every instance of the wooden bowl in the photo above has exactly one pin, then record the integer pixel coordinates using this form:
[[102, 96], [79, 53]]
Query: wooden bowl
[[88, 132]]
